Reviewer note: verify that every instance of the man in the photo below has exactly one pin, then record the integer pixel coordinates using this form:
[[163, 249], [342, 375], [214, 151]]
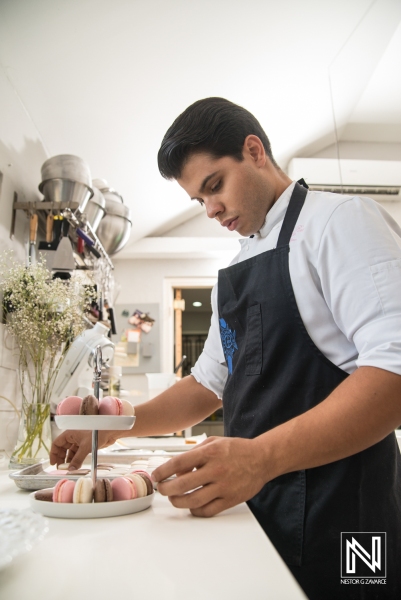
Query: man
[[303, 354]]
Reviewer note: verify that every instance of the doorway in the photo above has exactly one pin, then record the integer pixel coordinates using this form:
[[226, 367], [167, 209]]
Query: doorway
[[195, 325], [193, 312], [170, 285]]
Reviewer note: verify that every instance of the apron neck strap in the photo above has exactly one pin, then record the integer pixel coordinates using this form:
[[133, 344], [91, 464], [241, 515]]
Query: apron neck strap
[[291, 216]]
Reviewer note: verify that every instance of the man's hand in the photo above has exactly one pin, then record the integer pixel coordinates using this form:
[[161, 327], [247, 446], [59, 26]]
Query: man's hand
[[74, 446], [214, 476]]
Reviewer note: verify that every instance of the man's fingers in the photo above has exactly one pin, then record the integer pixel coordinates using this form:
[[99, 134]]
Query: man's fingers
[[79, 456], [59, 449], [211, 509], [183, 483], [184, 463], [196, 499]]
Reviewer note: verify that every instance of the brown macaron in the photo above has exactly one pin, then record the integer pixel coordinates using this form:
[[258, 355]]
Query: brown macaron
[[44, 495], [89, 406], [149, 484], [103, 491]]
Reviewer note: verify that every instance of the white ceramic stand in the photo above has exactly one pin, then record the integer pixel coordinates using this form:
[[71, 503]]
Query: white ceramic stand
[[92, 423]]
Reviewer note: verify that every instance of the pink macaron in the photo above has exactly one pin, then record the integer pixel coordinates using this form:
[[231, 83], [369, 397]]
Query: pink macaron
[[69, 406], [64, 491], [109, 405], [123, 489]]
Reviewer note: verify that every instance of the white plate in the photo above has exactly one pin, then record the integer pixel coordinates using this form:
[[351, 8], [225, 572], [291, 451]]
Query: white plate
[[20, 531], [94, 510], [90, 422]]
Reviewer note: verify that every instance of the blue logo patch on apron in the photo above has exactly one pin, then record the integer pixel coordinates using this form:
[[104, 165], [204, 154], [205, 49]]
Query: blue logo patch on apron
[[228, 342]]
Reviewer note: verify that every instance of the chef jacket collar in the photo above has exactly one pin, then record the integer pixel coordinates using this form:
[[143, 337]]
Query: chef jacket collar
[[276, 213]]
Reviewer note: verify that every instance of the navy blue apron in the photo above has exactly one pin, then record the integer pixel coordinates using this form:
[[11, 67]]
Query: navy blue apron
[[275, 373]]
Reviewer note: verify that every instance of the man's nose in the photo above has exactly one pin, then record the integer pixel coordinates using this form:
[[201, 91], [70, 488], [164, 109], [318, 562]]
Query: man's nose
[[213, 207]]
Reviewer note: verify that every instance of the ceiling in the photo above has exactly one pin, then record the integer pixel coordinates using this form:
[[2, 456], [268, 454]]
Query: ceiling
[[104, 80]]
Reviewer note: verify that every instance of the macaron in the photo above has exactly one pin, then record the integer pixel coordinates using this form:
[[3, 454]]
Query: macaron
[[111, 406], [44, 495], [64, 490], [123, 489], [128, 409], [148, 483], [140, 471], [83, 492], [69, 406], [103, 491], [141, 488], [89, 406]]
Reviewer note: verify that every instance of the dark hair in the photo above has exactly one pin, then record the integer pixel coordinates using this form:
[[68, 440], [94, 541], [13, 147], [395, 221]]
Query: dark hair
[[212, 125]]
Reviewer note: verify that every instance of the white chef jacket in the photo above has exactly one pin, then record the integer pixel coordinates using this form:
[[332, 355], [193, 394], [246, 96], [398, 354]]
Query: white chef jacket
[[345, 268]]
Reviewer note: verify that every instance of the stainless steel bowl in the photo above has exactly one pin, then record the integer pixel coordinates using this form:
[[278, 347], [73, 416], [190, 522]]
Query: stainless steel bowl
[[95, 209], [66, 166], [115, 227], [101, 184], [66, 190], [111, 194]]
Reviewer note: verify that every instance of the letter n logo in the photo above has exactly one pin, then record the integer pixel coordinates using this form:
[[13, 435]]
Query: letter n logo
[[363, 554]]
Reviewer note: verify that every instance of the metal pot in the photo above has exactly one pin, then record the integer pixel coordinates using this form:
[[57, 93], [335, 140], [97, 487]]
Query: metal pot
[[66, 190], [111, 194], [95, 209], [115, 227], [67, 166]]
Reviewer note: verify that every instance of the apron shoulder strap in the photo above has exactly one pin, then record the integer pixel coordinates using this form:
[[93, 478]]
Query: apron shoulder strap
[[291, 216]]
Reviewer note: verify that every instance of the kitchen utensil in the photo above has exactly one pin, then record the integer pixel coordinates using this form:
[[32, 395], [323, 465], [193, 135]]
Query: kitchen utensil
[[33, 229], [110, 194], [66, 190], [80, 245], [53, 232], [94, 251], [115, 227], [48, 249], [66, 166], [84, 236], [89, 242], [95, 208], [101, 184], [63, 262], [49, 228]]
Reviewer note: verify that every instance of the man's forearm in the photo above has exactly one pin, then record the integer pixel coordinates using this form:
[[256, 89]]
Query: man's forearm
[[183, 405], [360, 412]]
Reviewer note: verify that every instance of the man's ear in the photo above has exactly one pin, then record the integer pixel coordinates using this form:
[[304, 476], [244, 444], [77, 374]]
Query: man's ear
[[253, 147]]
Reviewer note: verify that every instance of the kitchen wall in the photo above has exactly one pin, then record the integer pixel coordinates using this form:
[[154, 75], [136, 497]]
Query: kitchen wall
[[21, 156], [143, 280]]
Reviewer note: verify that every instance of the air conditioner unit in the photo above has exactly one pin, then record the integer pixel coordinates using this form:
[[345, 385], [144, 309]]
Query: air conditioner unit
[[378, 179]]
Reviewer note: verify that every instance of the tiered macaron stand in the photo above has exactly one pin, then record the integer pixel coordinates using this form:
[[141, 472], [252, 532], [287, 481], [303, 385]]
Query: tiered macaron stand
[[95, 424]]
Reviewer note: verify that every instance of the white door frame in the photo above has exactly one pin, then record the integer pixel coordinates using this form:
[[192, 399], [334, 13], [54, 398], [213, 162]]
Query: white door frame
[[169, 284]]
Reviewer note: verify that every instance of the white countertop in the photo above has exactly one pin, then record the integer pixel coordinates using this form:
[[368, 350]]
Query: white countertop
[[162, 552]]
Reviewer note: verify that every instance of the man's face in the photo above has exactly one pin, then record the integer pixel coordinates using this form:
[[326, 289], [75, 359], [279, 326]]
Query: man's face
[[237, 194]]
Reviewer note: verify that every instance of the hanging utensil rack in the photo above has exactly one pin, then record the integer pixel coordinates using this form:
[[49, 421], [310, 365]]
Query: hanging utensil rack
[[69, 212]]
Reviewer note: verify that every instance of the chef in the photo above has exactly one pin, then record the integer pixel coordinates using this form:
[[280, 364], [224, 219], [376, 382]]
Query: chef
[[303, 354]]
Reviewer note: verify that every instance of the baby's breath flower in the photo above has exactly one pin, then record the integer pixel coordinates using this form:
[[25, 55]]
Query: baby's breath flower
[[43, 315]]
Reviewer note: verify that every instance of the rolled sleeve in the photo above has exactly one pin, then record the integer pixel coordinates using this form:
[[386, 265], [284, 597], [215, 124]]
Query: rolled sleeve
[[210, 369]]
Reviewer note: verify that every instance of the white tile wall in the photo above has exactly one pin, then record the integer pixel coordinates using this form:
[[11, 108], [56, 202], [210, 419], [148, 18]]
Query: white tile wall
[[9, 392]]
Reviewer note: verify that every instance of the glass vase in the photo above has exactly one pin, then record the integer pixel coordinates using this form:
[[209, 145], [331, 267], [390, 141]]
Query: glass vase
[[34, 436]]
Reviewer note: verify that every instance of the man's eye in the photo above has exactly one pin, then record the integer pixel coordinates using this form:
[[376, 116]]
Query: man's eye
[[216, 186], [200, 201]]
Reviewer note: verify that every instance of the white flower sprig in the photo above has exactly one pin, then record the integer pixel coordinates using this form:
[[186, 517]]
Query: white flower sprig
[[44, 315]]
